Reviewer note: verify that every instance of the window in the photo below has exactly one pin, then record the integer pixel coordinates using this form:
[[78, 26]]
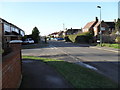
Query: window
[[12, 28], [16, 30], [6, 27], [22, 33]]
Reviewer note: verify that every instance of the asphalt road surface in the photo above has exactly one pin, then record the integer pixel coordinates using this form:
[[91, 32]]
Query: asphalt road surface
[[106, 62]]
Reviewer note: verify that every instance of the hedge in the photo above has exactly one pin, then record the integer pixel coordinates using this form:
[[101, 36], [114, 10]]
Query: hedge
[[80, 38]]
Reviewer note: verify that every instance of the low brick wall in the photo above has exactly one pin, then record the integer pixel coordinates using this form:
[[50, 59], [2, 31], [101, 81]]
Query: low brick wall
[[11, 68]]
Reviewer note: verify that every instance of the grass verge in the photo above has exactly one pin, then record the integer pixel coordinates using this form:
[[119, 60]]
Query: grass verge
[[117, 46], [77, 75]]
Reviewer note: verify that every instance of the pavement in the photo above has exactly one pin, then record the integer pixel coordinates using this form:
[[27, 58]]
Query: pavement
[[106, 49], [37, 74]]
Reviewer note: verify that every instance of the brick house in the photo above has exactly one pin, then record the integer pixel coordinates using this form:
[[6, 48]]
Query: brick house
[[89, 26], [54, 35], [111, 26], [11, 61], [10, 32], [61, 34], [106, 27]]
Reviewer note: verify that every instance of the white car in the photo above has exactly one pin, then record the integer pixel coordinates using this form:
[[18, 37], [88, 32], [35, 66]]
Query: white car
[[29, 40]]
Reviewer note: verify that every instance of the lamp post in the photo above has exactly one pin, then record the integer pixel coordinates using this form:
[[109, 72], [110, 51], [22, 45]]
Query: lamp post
[[100, 27]]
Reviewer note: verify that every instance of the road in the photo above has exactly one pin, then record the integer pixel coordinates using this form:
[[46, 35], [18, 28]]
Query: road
[[105, 62]]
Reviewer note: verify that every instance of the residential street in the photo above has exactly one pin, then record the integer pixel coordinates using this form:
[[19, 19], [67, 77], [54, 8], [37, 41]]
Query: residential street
[[106, 62]]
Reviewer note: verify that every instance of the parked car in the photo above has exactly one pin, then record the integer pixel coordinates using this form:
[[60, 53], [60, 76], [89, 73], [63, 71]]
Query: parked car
[[28, 41], [57, 39], [16, 41], [60, 39]]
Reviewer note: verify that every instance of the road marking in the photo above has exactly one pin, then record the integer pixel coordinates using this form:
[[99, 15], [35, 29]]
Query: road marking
[[78, 61], [86, 65]]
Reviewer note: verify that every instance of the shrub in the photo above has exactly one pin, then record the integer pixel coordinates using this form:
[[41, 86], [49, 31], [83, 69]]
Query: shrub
[[82, 39], [67, 39], [86, 37], [117, 40]]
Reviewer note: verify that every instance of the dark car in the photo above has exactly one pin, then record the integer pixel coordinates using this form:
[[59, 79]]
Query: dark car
[[60, 38]]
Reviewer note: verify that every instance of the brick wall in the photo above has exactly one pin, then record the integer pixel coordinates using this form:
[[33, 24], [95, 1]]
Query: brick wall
[[11, 68]]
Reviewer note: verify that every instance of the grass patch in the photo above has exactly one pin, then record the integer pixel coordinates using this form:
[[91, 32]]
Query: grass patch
[[39, 58], [77, 75], [110, 45]]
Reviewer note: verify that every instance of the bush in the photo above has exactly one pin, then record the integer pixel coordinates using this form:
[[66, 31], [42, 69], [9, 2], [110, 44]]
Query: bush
[[86, 37], [67, 39], [82, 39], [117, 40]]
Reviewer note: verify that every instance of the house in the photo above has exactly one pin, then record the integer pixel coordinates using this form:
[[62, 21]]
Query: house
[[61, 34], [10, 32], [94, 26], [11, 57], [54, 35], [72, 31], [104, 28], [111, 26], [89, 26]]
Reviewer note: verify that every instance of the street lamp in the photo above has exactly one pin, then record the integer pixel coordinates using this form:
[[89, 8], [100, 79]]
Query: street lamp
[[100, 27]]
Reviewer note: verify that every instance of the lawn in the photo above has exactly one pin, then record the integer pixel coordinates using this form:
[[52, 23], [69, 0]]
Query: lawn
[[78, 76], [110, 45]]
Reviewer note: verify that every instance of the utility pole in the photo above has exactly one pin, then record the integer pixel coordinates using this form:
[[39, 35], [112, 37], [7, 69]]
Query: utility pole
[[100, 27]]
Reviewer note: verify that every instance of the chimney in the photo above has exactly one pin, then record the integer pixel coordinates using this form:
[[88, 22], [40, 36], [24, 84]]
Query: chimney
[[96, 19]]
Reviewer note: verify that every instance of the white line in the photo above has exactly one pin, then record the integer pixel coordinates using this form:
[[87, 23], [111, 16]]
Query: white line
[[79, 62]]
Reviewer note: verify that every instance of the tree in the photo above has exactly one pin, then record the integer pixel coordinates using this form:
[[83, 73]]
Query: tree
[[117, 25], [35, 34]]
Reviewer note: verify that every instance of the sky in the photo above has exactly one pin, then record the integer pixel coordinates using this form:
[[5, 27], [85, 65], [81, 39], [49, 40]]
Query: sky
[[49, 17]]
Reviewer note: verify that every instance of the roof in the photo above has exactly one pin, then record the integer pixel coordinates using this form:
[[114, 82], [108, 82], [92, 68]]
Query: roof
[[2, 20], [61, 32], [110, 24], [89, 24], [55, 33], [98, 23]]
